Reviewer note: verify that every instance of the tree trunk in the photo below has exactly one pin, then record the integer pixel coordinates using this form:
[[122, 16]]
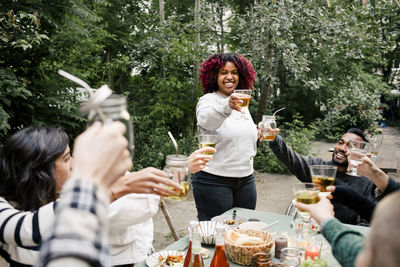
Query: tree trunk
[[221, 25], [265, 84], [196, 47], [265, 89], [196, 57], [110, 77], [162, 22], [162, 13]]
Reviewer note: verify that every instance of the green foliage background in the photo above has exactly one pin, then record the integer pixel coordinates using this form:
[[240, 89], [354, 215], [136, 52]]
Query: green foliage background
[[327, 64]]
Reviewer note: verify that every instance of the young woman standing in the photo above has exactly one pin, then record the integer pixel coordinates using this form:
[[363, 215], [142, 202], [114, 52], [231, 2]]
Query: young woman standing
[[228, 180]]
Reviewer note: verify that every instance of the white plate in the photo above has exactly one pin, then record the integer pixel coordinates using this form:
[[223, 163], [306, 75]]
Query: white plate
[[224, 218], [152, 260], [253, 225]]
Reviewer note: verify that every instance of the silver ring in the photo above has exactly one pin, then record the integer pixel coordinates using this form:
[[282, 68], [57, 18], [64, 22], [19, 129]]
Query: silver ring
[[155, 189]]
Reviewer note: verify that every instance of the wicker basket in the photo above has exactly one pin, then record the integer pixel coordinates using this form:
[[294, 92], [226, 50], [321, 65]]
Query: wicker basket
[[244, 254]]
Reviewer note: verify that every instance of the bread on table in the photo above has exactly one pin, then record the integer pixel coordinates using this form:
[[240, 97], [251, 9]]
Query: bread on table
[[242, 239]]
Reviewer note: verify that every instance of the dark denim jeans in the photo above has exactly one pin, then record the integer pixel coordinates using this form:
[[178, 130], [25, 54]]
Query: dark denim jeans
[[215, 194]]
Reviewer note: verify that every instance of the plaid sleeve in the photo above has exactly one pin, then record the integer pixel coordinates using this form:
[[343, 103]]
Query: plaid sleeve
[[80, 229]]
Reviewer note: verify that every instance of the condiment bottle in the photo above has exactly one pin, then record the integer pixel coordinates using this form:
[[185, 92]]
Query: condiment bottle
[[219, 259], [281, 242], [196, 260], [192, 225]]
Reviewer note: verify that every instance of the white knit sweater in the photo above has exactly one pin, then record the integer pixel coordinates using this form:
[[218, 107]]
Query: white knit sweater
[[236, 145]]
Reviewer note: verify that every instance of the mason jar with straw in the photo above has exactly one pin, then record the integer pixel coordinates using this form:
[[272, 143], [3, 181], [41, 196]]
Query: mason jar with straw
[[176, 167]]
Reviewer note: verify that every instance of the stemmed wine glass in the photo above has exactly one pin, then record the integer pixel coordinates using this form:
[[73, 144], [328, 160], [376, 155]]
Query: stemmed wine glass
[[358, 149], [245, 96]]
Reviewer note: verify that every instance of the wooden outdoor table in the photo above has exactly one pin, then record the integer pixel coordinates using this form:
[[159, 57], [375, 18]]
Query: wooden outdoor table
[[267, 217]]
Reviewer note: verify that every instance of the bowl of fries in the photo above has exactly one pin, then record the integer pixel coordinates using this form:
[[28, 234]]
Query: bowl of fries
[[166, 258]]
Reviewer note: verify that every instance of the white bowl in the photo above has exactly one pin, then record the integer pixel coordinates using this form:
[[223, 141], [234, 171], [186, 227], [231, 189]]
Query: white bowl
[[253, 225], [208, 230], [228, 218]]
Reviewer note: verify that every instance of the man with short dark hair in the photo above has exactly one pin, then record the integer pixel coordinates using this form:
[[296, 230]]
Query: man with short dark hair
[[299, 166]]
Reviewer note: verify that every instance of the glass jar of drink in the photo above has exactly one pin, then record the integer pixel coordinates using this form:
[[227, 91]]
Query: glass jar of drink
[[281, 242], [176, 166], [291, 256], [261, 259], [267, 122], [114, 108]]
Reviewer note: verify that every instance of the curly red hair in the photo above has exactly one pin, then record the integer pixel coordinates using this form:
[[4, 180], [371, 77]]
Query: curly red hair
[[210, 67]]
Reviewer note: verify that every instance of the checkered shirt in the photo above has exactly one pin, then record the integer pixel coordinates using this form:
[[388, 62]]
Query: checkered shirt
[[80, 229]]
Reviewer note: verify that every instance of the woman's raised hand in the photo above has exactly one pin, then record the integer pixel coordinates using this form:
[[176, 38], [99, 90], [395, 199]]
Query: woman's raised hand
[[234, 100], [101, 153], [146, 181], [198, 160]]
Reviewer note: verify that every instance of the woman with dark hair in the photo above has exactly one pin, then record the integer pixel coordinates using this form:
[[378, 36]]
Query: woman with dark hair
[[228, 180], [35, 163]]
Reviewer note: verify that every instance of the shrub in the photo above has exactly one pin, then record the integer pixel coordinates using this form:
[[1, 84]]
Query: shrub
[[353, 106], [151, 148]]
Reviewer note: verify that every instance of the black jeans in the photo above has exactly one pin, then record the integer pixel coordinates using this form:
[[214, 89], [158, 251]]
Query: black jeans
[[215, 194]]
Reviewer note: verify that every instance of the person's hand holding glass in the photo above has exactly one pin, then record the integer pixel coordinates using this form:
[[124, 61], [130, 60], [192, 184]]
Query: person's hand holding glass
[[267, 130], [358, 149], [245, 97], [306, 193], [323, 175], [199, 158], [176, 167], [207, 139], [319, 211]]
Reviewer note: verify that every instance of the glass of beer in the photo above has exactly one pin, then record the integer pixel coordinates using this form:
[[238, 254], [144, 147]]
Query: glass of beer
[[267, 122], [207, 138], [358, 149], [306, 193], [323, 175], [245, 96]]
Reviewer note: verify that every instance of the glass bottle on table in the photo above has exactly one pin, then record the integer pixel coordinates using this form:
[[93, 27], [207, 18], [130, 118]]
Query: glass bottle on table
[[195, 259], [219, 259], [192, 226]]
